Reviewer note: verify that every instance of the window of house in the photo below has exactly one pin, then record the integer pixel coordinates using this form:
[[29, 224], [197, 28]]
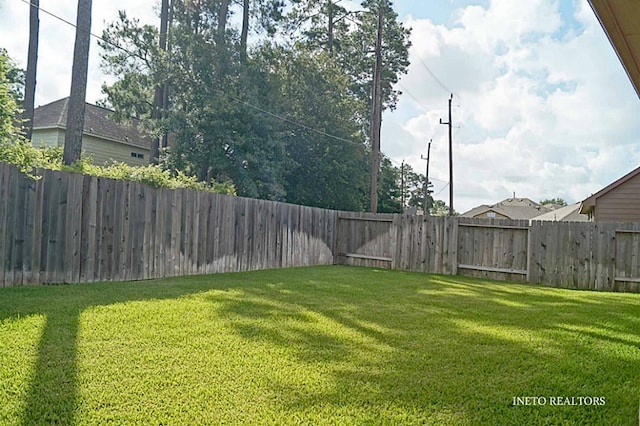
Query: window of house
[[137, 155], [491, 215]]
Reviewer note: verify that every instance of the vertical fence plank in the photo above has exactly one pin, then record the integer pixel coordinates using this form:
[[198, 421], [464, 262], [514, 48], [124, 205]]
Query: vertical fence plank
[[88, 229], [72, 228], [6, 217]]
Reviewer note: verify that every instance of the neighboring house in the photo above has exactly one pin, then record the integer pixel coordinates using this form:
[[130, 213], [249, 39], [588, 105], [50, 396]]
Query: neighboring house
[[103, 138], [511, 208], [619, 201], [570, 213]]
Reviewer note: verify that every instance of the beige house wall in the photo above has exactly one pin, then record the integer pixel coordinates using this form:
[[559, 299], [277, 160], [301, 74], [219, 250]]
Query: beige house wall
[[47, 137], [102, 150], [621, 203], [105, 151], [490, 215]]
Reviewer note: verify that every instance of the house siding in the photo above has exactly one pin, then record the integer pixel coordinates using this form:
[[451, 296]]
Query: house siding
[[105, 151], [486, 215], [102, 150], [47, 137], [621, 203]]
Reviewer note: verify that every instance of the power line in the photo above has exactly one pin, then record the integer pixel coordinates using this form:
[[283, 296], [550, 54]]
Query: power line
[[285, 119], [442, 189], [440, 83], [237, 100], [59, 18], [295, 123], [416, 100]]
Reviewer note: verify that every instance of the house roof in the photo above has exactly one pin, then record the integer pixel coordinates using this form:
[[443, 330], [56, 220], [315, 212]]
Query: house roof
[[513, 208], [97, 122], [589, 204], [619, 19], [567, 213]]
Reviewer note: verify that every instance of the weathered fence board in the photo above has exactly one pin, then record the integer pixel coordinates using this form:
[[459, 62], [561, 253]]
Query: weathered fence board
[[493, 249], [366, 239], [73, 228]]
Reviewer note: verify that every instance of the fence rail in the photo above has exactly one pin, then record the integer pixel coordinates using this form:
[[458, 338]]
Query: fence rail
[[67, 228], [580, 255]]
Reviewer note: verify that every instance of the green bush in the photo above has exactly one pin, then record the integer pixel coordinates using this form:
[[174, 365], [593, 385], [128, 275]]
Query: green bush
[[28, 157]]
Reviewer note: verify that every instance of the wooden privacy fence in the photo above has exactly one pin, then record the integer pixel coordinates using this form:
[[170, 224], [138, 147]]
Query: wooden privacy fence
[[75, 228], [581, 255]]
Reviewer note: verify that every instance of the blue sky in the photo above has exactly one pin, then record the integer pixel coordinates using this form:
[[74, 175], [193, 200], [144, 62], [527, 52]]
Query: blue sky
[[542, 106]]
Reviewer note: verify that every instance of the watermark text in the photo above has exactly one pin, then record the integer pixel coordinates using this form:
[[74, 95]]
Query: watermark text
[[559, 400]]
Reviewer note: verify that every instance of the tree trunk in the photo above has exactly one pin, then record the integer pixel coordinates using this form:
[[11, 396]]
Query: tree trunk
[[223, 53], [158, 99], [330, 27], [222, 20], [245, 31], [32, 66], [75, 113]]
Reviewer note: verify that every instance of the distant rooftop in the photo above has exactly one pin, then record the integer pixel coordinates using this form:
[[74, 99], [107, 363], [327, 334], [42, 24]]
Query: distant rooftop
[[569, 213], [97, 122], [513, 208]]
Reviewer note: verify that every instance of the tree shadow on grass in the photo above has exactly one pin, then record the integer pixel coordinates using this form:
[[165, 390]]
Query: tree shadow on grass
[[436, 349], [486, 344], [52, 395]]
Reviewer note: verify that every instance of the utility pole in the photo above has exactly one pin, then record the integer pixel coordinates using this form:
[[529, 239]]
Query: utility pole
[[402, 184], [376, 116], [426, 178], [450, 159]]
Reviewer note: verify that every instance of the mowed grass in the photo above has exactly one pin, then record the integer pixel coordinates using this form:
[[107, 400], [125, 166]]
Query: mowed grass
[[321, 345]]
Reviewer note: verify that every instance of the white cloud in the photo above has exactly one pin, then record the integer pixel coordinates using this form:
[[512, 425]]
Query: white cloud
[[545, 107], [56, 40], [541, 108]]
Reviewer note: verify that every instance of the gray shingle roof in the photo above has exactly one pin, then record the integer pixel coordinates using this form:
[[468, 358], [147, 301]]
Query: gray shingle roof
[[513, 208], [569, 213], [96, 122]]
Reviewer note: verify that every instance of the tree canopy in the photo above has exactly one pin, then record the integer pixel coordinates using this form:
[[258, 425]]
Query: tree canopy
[[284, 116], [11, 83]]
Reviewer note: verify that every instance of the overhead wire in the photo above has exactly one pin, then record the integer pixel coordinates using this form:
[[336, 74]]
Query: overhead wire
[[433, 75], [237, 100], [280, 117]]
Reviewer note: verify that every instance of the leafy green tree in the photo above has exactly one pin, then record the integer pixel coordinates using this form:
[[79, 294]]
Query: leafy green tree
[[350, 37], [10, 127], [14, 77], [329, 162], [357, 56], [557, 201], [323, 24], [389, 187], [281, 121], [440, 208]]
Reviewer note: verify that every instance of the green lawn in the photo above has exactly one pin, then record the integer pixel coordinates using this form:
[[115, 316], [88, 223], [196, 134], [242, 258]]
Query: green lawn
[[322, 345]]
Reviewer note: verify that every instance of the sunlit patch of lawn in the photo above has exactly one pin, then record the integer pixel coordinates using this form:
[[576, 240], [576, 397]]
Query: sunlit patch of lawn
[[322, 345]]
